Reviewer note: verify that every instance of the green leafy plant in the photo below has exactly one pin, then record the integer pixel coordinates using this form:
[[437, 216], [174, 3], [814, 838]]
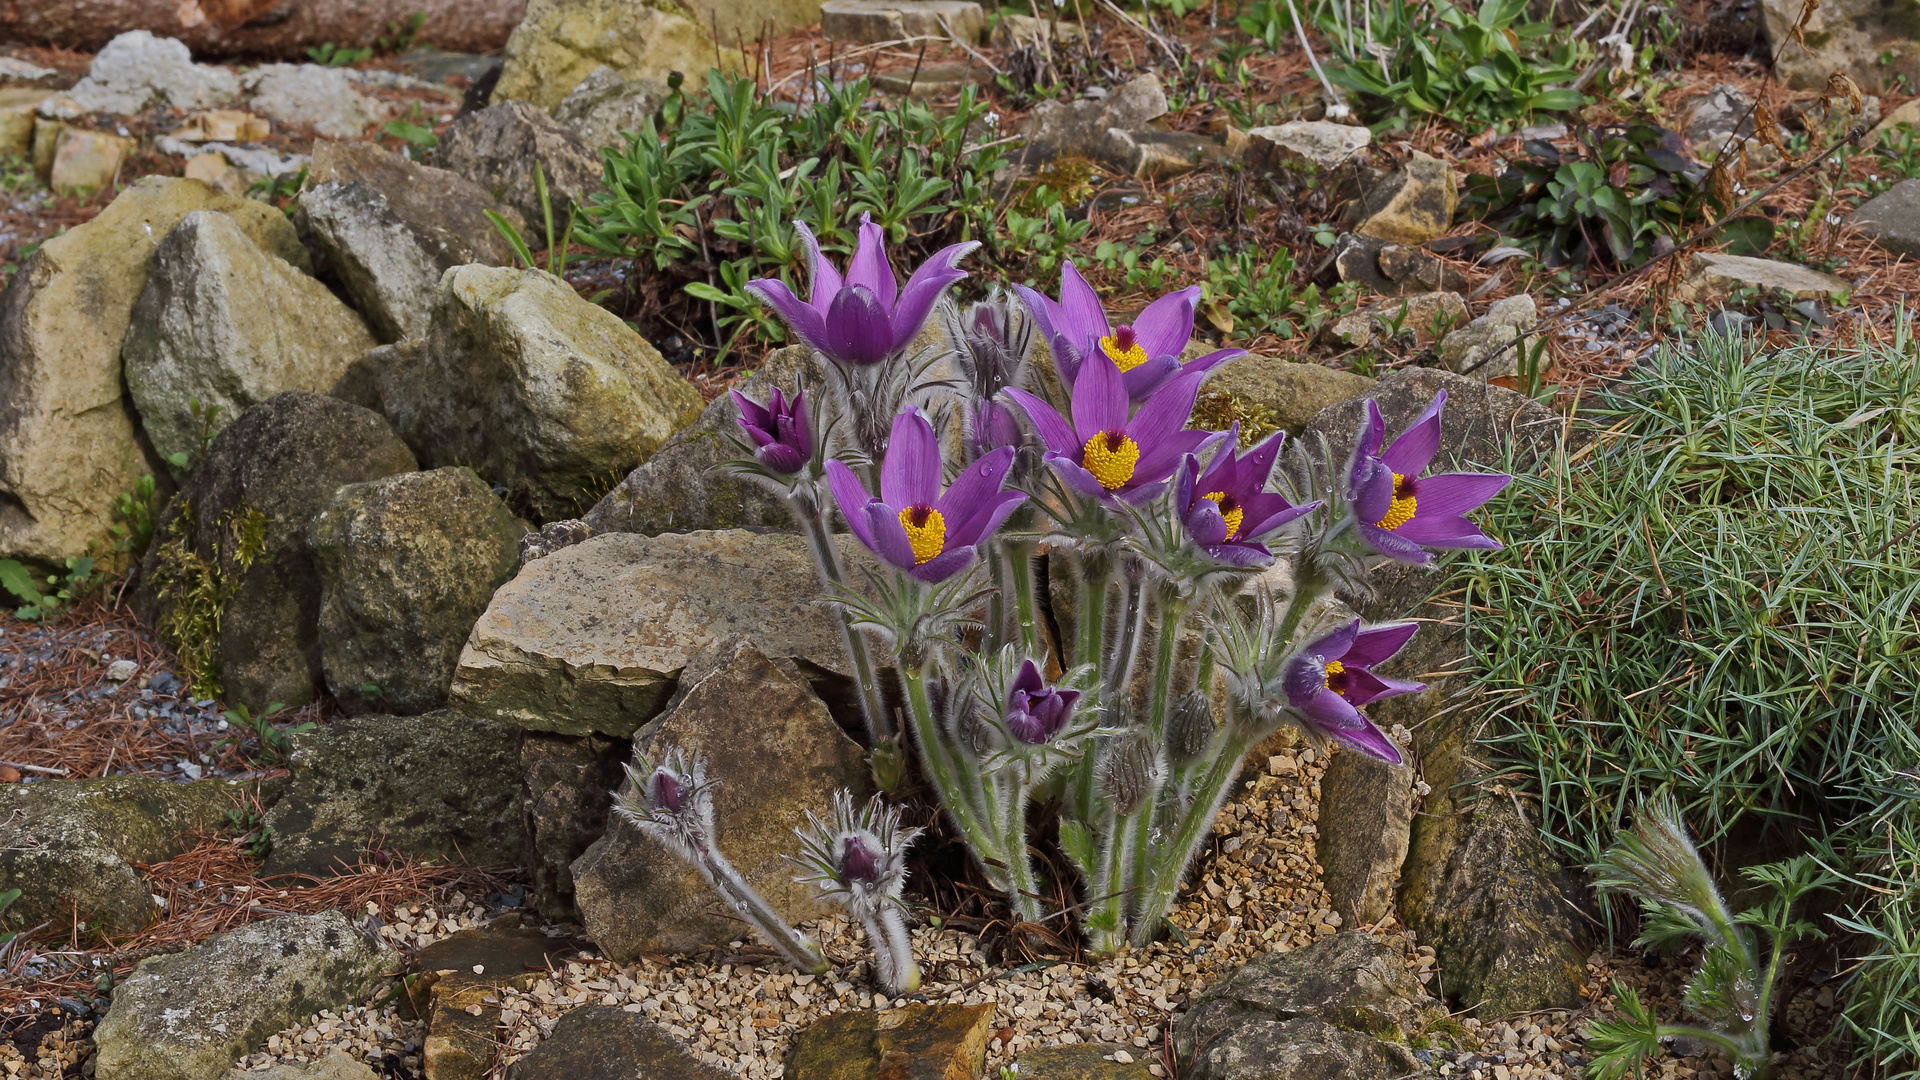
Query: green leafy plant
[[401, 36], [328, 54], [556, 251], [192, 589], [274, 743], [1627, 195], [65, 588], [1261, 297], [1732, 994], [1266, 21], [280, 190], [6, 901], [139, 514], [250, 830], [206, 424], [1484, 68]]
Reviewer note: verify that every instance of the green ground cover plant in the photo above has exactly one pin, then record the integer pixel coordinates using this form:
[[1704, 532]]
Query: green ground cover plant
[[1720, 596]]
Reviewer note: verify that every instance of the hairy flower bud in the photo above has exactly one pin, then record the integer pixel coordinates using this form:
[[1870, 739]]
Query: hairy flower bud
[[666, 792], [1036, 712], [858, 860], [1130, 772], [1190, 727]]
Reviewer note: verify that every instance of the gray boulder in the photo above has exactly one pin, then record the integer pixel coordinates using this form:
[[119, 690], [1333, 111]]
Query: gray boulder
[[537, 389], [229, 580], [604, 106], [566, 795], [137, 70], [680, 487], [69, 438], [558, 43], [312, 96], [497, 148], [446, 212], [1411, 205], [1080, 128], [1891, 219], [858, 22], [228, 325], [1293, 393], [335, 1066], [441, 787], [776, 753], [1337, 1009], [1872, 41], [1717, 114], [1485, 348], [601, 1042], [407, 564], [190, 1015], [1366, 818], [593, 637], [70, 845]]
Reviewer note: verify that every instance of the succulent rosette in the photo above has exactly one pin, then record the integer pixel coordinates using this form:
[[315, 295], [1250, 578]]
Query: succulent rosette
[[1330, 679], [1147, 350], [1110, 451], [912, 524], [782, 437], [1226, 506], [1402, 513], [866, 316]]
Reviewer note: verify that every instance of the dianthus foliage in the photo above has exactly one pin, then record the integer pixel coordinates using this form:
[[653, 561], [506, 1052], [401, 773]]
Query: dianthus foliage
[[1721, 597]]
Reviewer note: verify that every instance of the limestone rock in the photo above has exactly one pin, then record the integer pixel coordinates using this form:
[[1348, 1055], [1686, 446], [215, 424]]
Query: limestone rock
[[137, 70], [68, 437], [1908, 114], [559, 42], [379, 261], [566, 796], [859, 22], [1485, 348], [493, 954], [335, 1066], [1305, 1048], [86, 161], [312, 96], [679, 488], [1294, 392], [1366, 814], [1413, 205], [1018, 31], [932, 80], [1079, 128], [777, 755], [444, 210], [1814, 118], [17, 108], [1713, 276], [913, 1042], [1891, 219], [265, 476], [1424, 317], [538, 390], [1160, 155], [189, 1015], [228, 325], [1499, 912], [1874, 42], [407, 564], [461, 1041], [214, 170], [1320, 143], [604, 105], [1718, 114], [441, 787], [1386, 268], [1084, 1061], [602, 1042], [591, 637], [68, 844], [497, 148]]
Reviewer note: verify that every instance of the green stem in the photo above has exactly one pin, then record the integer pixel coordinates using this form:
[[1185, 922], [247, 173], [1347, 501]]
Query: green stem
[[1306, 588], [1090, 622], [873, 708], [1174, 857], [1105, 922], [1019, 556], [1025, 890], [941, 768], [995, 630]]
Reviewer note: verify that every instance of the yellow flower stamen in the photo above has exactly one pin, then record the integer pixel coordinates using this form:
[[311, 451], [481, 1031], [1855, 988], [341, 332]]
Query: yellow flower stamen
[[1334, 667], [1126, 359], [1402, 508], [1229, 510], [926, 531], [1111, 457]]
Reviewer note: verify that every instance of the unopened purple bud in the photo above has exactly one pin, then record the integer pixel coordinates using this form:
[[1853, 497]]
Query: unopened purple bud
[[782, 438], [668, 792], [1035, 712], [858, 860], [993, 428]]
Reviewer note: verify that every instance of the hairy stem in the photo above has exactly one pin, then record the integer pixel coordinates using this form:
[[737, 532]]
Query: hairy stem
[[1019, 571], [892, 951], [1105, 922], [734, 889], [873, 708], [943, 771], [1133, 617], [1175, 857], [1026, 888]]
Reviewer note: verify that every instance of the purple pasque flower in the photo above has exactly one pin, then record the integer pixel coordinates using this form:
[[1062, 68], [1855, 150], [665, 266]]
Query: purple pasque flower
[[1108, 453], [990, 426], [1400, 512], [782, 437], [1147, 351], [1035, 711], [865, 317], [1227, 507], [913, 525], [1330, 679]]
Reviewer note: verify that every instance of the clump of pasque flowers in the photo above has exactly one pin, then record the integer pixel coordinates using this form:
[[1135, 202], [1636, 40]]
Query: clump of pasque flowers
[[1026, 420]]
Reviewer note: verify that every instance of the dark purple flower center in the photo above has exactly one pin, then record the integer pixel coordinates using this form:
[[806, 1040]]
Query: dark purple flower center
[[858, 860], [916, 516], [669, 793], [1124, 337], [1338, 678]]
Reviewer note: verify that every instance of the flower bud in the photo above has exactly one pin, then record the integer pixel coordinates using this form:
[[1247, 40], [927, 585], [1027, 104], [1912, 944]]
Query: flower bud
[[859, 861], [1130, 773], [1036, 712], [667, 792], [1190, 727]]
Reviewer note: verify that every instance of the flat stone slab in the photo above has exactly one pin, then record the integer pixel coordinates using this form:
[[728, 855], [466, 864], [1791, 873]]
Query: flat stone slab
[[1891, 219], [866, 21], [601, 1042], [1714, 275], [1322, 143], [492, 955], [913, 1042]]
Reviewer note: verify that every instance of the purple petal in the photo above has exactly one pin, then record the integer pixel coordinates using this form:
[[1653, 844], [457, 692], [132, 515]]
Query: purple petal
[[1150, 375], [923, 291], [799, 316], [1082, 323], [752, 414], [1302, 678], [1334, 645], [1048, 318], [1100, 399], [890, 540], [1206, 525], [1160, 458], [1243, 554], [1372, 491], [1184, 486], [942, 567], [1212, 360], [910, 473], [1140, 492], [1332, 713], [1453, 494], [1049, 425], [971, 495], [1375, 644], [1447, 532], [1166, 325], [1368, 740], [850, 495], [802, 439], [1029, 680], [978, 527], [1365, 686], [1162, 414], [781, 458], [1393, 547], [1260, 526], [857, 328], [869, 268], [1413, 451], [1076, 477], [826, 280]]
